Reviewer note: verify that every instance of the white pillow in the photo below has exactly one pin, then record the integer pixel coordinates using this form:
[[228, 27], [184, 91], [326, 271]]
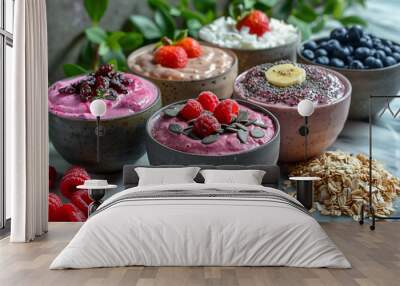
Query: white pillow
[[164, 176], [248, 177]]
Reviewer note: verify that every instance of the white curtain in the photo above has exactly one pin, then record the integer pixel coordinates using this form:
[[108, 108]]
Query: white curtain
[[27, 123]]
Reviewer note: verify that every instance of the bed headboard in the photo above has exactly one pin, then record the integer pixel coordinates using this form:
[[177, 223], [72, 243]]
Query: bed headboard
[[271, 177]]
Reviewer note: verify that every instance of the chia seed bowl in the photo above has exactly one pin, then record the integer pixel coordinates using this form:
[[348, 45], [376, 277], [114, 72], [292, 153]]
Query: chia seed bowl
[[160, 154], [365, 82], [325, 124]]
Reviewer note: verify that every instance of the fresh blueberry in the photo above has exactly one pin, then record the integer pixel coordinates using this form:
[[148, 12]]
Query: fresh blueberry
[[376, 41], [310, 45], [340, 53], [339, 34], [396, 49], [308, 54], [389, 61], [388, 51], [386, 42], [396, 56], [323, 60], [351, 49], [361, 53], [321, 52], [379, 54], [336, 62], [332, 45], [373, 63], [366, 42], [354, 35], [349, 59], [356, 64]]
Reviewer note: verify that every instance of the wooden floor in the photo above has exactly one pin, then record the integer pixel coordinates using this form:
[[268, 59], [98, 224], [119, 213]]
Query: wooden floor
[[375, 257]]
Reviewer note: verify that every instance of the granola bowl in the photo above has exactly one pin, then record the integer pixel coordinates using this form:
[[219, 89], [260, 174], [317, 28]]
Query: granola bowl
[[179, 84], [325, 124], [164, 146]]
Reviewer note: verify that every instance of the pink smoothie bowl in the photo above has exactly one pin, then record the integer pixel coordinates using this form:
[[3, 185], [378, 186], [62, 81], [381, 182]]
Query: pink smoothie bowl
[[325, 124]]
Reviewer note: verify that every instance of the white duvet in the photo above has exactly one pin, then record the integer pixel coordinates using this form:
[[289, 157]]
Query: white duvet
[[202, 231]]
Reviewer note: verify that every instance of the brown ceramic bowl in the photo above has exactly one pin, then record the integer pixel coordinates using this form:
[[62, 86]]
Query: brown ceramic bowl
[[325, 124], [377, 82], [249, 58], [175, 90]]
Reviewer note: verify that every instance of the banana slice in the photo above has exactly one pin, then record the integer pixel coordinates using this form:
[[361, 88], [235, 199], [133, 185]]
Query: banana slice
[[285, 75]]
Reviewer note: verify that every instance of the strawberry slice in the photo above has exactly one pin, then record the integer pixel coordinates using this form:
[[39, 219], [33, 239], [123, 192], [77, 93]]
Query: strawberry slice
[[256, 21]]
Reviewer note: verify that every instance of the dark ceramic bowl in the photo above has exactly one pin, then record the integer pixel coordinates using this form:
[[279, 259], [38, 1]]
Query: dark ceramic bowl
[[249, 58], [266, 154], [325, 124], [377, 82], [175, 90], [123, 142]]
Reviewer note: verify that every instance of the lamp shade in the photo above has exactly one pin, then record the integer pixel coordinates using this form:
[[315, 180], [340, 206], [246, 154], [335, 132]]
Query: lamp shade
[[305, 107], [98, 108]]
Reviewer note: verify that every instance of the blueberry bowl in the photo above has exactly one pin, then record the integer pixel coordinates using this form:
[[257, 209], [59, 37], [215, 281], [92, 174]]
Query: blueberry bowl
[[370, 63]]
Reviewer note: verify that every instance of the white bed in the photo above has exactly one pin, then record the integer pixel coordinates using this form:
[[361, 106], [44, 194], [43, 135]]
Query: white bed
[[222, 225]]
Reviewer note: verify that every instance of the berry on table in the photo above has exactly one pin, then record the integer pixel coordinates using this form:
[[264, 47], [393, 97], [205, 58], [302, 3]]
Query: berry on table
[[191, 46], [171, 56], [205, 125], [208, 100], [226, 111], [191, 110], [256, 21]]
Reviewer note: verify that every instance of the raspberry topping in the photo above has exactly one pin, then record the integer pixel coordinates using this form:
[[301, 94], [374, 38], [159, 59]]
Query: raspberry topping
[[205, 125], [55, 205], [171, 56], [191, 46], [191, 110], [256, 21], [226, 111], [208, 100]]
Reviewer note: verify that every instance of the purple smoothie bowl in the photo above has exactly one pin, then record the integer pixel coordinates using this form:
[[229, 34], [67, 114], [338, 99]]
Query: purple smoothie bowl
[[160, 154], [325, 124]]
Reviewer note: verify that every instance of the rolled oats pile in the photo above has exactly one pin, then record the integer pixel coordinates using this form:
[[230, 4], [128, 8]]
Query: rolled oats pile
[[344, 185]]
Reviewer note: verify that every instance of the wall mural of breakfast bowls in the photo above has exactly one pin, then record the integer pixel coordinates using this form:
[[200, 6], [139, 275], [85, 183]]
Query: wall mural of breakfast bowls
[[130, 101], [184, 67], [279, 87], [207, 130], [255, 39], [369, 62]]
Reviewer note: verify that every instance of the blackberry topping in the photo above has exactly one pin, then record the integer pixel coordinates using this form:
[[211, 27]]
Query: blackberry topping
[[104, 83]]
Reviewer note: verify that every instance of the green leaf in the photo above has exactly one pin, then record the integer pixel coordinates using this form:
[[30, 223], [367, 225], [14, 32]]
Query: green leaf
[[87, 55], [205, 5], [96, 9], [318, 25], [305, 13], [189, 14], [146, 26], [113, 40], [117, 58], [194, 26], [352, 20], [159, 4], [96, 35], [180, 34], [303, 27], [269, 3], [165, 22], [338, 9], [131, 41], [73, 70], [104, 49]]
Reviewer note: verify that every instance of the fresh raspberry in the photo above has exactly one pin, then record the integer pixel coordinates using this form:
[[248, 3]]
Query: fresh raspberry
[[205, 125], [191, 46], [78, 198], [76, 168], [71, 213], [226, 111], [71, 180], [171, 57], [256, 21], [208, 100], [52, 176], [55, 205], [191, 110]]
